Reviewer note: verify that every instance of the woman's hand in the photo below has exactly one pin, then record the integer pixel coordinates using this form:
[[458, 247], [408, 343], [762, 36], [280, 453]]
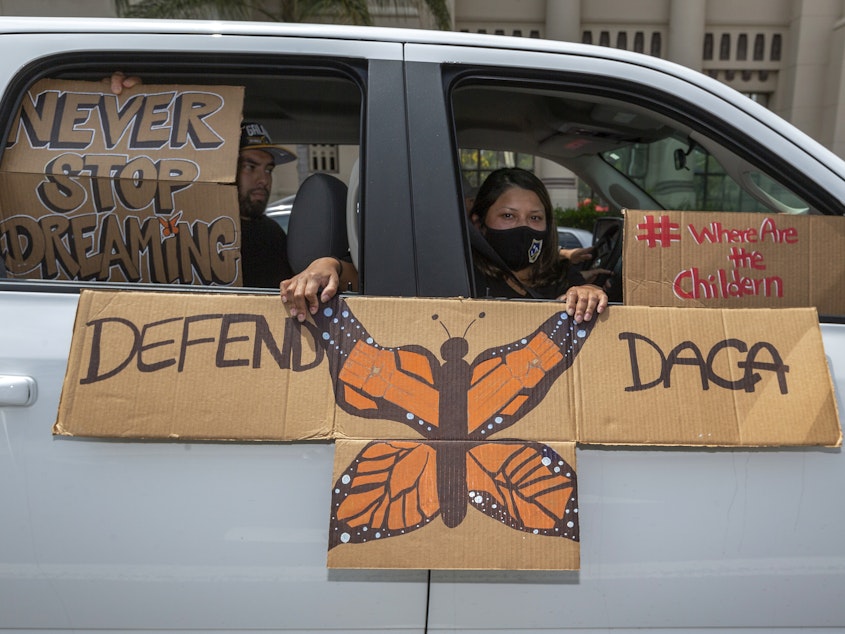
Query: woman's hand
[[582, 302]]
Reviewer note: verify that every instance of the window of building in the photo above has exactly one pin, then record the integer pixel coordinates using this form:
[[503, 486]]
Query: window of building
[[759, 47], [742, 47], [776, 47], [656, 45], [622, 40], [323, 158], [760, 97], [639, 42], [476, 165], [725, 46]]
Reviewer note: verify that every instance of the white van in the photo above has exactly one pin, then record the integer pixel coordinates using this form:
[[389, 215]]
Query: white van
[[132, 536]]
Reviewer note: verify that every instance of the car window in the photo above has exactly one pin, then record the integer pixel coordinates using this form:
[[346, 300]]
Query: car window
[[313, 108], [629, 155], [601, 150], [683, 175]]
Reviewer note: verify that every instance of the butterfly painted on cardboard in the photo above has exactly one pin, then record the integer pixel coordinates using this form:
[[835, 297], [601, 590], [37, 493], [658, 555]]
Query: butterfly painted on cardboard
[[394, 487]]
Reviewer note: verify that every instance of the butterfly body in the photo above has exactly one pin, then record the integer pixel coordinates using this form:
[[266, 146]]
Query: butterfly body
[[454, 375], [397, 486]]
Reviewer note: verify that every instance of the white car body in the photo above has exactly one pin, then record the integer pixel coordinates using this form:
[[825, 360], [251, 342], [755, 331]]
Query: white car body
[[172, 536]]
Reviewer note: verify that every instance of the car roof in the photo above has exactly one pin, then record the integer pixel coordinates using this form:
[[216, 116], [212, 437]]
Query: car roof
[[420, 36]]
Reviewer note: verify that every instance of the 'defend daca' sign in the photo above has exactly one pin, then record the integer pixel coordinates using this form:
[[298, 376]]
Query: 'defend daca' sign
[[733, 260], [455, 421], [129, 188]]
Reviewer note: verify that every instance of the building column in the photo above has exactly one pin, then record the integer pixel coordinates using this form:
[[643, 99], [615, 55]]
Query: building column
[[686, 32], [809, 82], [832, 132], [563, 20]]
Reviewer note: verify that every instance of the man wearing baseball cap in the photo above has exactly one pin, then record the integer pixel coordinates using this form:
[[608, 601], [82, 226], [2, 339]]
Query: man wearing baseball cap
[[263, 242], [264, 252]]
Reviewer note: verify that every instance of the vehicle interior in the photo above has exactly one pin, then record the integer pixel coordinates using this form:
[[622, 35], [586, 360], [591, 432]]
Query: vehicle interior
[[314, 112], [630, 155]]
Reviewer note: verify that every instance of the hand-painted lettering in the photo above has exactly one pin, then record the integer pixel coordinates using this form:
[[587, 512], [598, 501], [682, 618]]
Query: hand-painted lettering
[[688, 353], [746, 259], [770, 232], [724, 283], [716, 233], [136, 183], [235, 340], [91, 246], [155, 121]]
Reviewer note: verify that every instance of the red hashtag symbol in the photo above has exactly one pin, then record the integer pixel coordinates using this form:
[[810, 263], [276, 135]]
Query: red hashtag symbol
[[663, 233]]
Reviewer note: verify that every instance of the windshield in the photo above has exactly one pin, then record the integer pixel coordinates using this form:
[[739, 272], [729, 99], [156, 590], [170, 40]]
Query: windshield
[[684, 176]]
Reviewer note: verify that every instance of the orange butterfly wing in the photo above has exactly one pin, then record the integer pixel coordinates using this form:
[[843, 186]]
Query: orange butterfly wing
[[372, 381], [509, 381], [389, 489], [525, 485], [392, 487]]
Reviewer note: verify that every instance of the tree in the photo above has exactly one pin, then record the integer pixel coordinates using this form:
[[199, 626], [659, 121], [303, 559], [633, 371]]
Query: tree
[[352, 11]]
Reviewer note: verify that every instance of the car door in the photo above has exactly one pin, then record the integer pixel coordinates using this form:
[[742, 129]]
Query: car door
[[671, 538], [112, 535]]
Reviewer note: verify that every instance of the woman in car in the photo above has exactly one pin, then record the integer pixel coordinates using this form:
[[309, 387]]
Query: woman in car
[[519, 255], [516, 254]]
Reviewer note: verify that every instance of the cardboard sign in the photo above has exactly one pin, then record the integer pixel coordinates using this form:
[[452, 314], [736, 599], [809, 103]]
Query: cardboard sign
[[461, 433], [129, 188], [733, 260]]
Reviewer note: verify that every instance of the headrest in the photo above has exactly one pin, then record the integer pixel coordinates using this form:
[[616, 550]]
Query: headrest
[[317, 226]]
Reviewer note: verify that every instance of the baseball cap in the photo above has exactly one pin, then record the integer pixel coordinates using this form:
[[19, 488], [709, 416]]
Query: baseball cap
[[254, 137]]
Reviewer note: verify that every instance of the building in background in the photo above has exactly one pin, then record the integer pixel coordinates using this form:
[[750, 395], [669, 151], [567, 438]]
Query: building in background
[[789, 55], [786, 54]]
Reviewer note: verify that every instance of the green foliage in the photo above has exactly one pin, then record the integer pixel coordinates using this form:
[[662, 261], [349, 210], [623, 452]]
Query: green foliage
[[581, 217]]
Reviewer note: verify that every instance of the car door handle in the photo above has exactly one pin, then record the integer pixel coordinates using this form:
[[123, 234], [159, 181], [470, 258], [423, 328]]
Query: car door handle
[[18, 391]]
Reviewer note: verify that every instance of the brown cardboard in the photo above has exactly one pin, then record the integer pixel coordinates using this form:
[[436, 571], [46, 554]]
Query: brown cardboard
[[174, 365], [129, 188], [177, 355], [481, 539], [148, 132], [733, 260], [405, 385]]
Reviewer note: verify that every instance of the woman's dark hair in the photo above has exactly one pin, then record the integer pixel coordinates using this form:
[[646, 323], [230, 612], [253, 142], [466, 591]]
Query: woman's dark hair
[[548, 268]]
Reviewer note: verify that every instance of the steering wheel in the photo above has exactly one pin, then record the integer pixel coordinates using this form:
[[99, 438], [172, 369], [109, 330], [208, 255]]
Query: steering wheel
[[607, 254]]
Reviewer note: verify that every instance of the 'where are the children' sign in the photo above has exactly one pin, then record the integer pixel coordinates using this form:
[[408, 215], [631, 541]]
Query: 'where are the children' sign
[[733, 260]]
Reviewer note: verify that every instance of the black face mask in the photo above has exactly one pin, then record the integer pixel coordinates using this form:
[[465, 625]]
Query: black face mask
[[518, 247]]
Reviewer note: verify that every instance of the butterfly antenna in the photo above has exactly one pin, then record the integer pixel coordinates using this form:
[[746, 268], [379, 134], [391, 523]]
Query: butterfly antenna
[[481, 316], [436, 318]]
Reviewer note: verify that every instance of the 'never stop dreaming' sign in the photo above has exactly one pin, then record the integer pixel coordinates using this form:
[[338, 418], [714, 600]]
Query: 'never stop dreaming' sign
[[130, 188]]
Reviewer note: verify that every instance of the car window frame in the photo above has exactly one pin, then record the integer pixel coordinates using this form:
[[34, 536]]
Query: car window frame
[[385, 65]]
